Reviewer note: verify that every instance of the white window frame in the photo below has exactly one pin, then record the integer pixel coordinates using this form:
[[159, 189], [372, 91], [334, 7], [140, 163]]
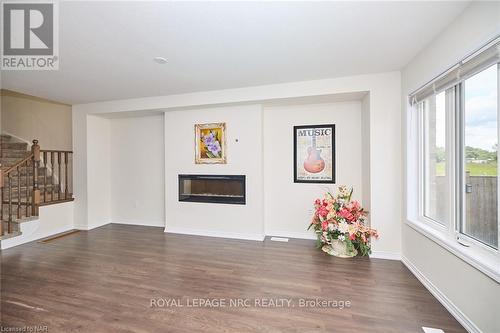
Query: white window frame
[[460, 162], [441, 227], [483, 257]]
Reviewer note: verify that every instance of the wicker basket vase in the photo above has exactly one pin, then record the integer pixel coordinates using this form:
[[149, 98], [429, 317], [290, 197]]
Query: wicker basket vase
[[339, 249]]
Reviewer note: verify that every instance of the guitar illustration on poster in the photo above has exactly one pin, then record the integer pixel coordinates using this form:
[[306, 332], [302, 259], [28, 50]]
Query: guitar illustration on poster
[[314, 163], [314, 154]]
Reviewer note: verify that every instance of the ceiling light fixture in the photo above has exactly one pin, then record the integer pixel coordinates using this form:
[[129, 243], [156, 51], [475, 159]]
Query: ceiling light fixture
[[160, 60]]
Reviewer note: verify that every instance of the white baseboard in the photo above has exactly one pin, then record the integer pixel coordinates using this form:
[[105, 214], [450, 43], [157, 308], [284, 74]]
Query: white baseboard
[[288, 234], [310, 235], [445, 301], [258, 237], [385, 255], [90, 227], [27, 238], [141, 222], [211, 233]]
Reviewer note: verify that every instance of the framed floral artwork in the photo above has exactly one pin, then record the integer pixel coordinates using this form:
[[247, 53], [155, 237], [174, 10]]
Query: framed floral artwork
[[210, 144]]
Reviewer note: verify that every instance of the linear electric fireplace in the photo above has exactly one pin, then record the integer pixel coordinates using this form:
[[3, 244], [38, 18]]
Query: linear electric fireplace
[[228, 189]]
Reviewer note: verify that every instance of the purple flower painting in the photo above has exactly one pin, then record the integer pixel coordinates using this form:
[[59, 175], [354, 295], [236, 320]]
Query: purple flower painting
[[210, 143]]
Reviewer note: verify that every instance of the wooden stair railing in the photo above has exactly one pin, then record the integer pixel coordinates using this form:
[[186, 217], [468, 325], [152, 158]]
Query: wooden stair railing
[[42, 177]]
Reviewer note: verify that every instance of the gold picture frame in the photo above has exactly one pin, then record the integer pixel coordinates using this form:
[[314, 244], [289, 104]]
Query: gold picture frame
[[210, 143]]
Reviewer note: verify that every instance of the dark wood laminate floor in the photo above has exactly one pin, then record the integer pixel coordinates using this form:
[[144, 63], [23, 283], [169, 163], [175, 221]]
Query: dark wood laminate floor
[[103, 281]]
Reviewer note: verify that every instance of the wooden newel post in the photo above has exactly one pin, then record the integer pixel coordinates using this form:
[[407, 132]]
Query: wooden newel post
[[35, 149]]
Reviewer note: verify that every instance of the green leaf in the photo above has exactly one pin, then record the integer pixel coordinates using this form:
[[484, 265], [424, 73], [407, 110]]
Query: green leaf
[[349, 245], [350, 194], [364, 249], [319, 243]]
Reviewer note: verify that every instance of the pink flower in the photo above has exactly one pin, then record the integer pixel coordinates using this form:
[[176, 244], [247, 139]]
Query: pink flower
[[345, 213], [355, 205], [363, 238], [322, 211], [324, 225]]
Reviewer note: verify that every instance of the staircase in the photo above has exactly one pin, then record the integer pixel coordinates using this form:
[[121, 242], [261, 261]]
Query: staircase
[[30, 178]]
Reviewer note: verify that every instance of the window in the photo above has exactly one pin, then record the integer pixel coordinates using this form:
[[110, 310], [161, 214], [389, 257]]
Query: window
[[480, 151], [458, 134], [436, 151]]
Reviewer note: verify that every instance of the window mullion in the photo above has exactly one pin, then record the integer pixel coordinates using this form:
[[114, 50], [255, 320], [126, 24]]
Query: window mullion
[[498, 152], [450, 157], [460, 160], [421, 158]]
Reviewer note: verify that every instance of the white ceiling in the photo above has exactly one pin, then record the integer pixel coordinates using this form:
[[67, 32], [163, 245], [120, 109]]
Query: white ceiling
[[107, 48]]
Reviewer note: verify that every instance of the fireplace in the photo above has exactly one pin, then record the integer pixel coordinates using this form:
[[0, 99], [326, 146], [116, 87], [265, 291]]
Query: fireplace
[[227, 189]]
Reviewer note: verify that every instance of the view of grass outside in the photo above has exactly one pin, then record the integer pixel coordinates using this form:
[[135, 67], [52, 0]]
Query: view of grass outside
[[480, 162], [475, 169]]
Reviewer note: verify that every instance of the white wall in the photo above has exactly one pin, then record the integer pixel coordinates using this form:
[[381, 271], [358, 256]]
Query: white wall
[[464, 287], [384, 136], [138, 173], [366, 153], [99, 172], [53, 219], [80, 169], [288, 205], [118, 170], [243, 123]]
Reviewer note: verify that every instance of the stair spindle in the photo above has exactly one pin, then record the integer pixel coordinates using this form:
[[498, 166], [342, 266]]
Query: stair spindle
[[45, 176], [9, 227], [52, 176], [65, 175], [36, 164], [59, 187], [28, 199], [18, 193], [1, 202]]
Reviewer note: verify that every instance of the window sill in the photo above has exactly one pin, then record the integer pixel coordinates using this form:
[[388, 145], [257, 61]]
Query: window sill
[[483, 260]]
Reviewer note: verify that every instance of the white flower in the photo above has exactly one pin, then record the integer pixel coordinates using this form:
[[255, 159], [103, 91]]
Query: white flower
[[352, 229], [332, 226], [343, 227], [341, 238]]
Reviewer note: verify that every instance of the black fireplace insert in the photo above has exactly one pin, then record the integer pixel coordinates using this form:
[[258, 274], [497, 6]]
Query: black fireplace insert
[[227, 189]]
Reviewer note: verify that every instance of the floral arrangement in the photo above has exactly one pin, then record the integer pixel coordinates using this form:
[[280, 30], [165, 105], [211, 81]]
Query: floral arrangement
[[212, 144], [338, 218]]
